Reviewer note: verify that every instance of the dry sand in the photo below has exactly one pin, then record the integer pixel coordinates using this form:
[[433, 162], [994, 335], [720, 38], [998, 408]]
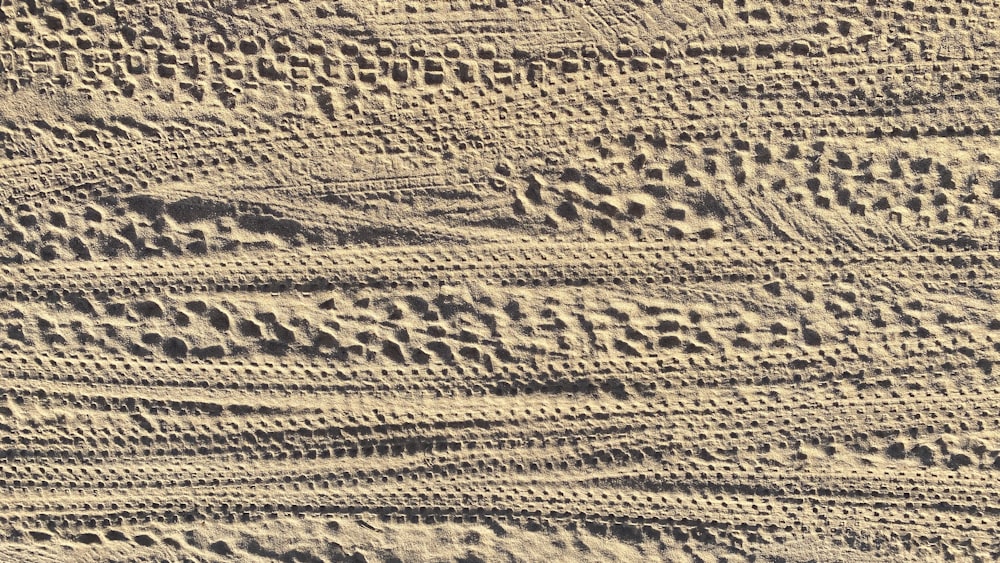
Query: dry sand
[[498, 280]]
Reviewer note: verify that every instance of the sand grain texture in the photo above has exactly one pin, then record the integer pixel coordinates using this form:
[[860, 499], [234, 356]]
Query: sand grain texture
[[498, 280]]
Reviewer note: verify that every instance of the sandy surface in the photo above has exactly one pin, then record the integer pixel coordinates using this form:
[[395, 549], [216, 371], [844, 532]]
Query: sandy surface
[[499, 280]]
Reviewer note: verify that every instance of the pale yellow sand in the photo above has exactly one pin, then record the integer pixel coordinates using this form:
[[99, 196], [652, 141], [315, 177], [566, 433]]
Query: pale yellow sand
[[503, 280]]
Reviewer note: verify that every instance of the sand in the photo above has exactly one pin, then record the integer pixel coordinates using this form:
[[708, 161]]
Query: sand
[[498, 280]]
